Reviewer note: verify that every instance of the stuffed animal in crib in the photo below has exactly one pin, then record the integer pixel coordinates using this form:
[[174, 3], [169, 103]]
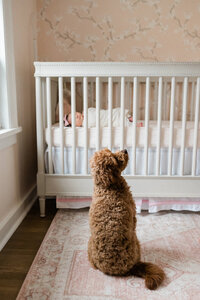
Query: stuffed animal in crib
[[113, 246]]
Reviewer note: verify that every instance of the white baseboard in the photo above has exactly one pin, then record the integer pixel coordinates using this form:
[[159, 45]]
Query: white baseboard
[[16, 216]]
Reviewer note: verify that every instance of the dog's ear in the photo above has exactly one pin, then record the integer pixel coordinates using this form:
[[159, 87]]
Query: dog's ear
[[99, 158], [106, 179], [104, 168]]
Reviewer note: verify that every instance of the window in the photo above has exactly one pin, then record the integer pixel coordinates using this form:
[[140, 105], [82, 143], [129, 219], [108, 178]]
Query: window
[[8, 103]]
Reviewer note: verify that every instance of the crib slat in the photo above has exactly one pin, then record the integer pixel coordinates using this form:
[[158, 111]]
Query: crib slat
[[159, 125], [171, 130], [128, 94], [118, 99], [73, 111], [155, 100], [97, 113], [92, 93], [85, 103], [192, 101], [60, 94], [135, 104], [146, 126], [196, 127], [165, 99], [122, 113], [49, 123], [139, 114], [110, 96], [40, 139], [184, 115], [44, 104], [177, 102]]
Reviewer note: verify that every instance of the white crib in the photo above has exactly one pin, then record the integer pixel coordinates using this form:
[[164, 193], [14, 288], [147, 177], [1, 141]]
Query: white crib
[[164, 152]]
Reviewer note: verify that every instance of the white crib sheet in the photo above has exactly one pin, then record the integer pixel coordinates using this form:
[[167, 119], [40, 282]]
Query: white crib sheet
[[128, 130]]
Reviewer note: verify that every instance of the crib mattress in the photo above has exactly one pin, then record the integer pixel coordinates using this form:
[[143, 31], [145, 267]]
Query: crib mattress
[[128, 134]]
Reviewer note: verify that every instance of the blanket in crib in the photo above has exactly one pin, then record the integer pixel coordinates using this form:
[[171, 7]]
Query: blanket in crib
[[116, 117]]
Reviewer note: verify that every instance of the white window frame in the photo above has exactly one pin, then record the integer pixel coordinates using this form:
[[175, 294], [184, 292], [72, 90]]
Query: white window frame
[[8, 98]]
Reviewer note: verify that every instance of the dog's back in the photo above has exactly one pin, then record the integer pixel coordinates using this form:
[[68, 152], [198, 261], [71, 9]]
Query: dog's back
[[113, 238], [113, 247]]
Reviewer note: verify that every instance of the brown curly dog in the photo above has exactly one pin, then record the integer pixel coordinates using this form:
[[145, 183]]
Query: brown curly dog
[[113, 247]]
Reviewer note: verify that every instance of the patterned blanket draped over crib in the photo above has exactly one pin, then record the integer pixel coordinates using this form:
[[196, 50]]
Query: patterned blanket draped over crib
[[156, 110]]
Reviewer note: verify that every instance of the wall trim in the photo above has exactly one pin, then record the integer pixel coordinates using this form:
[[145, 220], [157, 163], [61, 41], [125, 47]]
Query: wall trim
[[8, 93], [16, 216], [8, 137]]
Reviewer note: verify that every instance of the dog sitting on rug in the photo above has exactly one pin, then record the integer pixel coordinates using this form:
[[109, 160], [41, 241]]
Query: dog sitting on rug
[[113, 246]]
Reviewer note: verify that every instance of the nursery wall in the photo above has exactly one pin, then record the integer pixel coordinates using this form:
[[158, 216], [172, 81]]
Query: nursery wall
[[18, 162], [118, 30]]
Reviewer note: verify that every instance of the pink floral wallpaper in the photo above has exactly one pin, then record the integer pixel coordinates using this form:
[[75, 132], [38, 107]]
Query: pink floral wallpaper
[[118, 30]]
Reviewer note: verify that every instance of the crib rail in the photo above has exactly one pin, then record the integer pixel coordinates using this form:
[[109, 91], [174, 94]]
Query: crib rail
[[171, 77], [115, 69]]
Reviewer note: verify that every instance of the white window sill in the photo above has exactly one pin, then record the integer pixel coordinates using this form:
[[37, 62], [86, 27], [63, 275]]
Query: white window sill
[[8, 137]]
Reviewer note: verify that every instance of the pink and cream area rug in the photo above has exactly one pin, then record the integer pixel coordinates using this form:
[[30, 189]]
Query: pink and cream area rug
[[61, 269]]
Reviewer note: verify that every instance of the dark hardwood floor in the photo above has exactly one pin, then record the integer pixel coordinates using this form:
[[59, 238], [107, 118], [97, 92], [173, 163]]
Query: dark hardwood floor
[[17, 255]]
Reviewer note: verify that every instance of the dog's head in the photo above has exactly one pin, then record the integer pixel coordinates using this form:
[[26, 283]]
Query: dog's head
[[106, 166]]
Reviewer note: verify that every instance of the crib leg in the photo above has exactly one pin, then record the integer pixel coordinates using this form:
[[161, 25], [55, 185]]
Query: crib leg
[[42, 206]]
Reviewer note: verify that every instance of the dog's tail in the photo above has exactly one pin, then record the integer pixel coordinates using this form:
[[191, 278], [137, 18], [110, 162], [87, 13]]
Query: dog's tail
[[152, 274]]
